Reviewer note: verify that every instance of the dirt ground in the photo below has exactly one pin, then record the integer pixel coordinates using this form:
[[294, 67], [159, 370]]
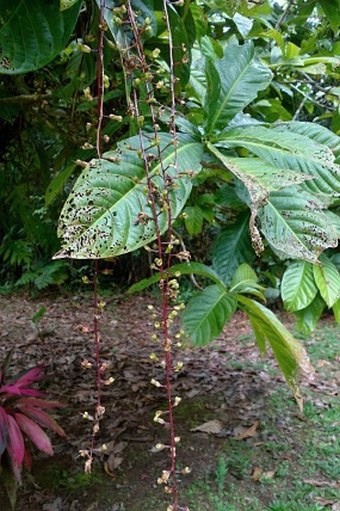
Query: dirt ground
[[215, 383]]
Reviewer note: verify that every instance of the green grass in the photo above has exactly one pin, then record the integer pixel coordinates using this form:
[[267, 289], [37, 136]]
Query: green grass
[[298, 449]]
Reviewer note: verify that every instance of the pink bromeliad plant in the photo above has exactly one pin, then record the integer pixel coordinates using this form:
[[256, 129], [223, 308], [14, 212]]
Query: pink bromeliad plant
[[23, 418]]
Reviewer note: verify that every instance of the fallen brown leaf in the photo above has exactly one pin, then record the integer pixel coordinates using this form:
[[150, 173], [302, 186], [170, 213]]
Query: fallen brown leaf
[[257, 473], [112, 463], [249, 432], [324, 502], [320, 484], [210, 427]]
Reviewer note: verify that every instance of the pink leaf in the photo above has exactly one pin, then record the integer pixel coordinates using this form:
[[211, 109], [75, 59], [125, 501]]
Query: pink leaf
[[15, 445], [41, 403], [15, 390], [34, 433], [30, 377], [42, 418], [3, 431]]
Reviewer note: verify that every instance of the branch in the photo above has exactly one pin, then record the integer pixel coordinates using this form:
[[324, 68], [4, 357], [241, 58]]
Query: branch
[[284, 14], [24, 98]]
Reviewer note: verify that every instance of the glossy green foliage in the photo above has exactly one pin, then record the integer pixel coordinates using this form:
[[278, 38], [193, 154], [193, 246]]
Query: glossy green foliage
[[33, 33], [298, 288], [207, 313], [327, 279], [233, 82]]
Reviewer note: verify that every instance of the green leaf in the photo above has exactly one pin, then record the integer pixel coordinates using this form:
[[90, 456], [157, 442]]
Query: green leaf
[[10, 485], [336, 311], [289, 353], [245, 281], [242, 76], [108, 214], [206, 314], [293, 223], [57, 184], [327, 279], [66, 4], [32, 34], [314, 131], [331, 9], [260, 334], [181, 46], [308, 318], [213, 89], [298, 287], [193, 220], [191, 268], [233, 247], [244, 272], [286, 150]]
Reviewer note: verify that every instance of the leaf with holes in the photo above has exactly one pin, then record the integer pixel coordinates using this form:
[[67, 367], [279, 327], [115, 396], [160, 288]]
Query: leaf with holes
[[32, 34], [314, 131], [108, 212], [207, 313], [286, 150], [295, 226], [327, 279], [259, 176], [298, 287]]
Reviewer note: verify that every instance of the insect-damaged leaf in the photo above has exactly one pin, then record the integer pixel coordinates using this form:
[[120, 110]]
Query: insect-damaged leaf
[[108, 213], [293, 151], [294, 224]]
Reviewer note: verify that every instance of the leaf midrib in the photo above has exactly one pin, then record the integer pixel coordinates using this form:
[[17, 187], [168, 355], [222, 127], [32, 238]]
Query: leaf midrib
[[280, 149], [239, 77]]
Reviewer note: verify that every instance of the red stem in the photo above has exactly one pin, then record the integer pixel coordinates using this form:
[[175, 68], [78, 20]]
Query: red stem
[[164, 258], [96, 334], [100, 80]]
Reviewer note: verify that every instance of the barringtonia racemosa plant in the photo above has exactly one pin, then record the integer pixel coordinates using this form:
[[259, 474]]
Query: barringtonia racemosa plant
[[284, 176]]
